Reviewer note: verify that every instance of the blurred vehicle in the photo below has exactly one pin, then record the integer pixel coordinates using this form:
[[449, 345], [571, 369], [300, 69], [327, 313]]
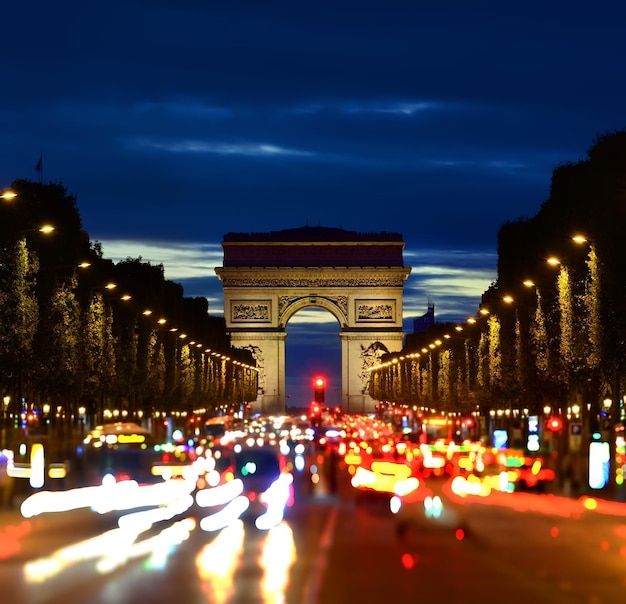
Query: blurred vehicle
[[377, 468], [376, 478], [124, 450], [297, 430], [267, 483], [319, 414], [6, 480], [513, 470], [530, 474], [216, 428], [331, 437], [221, 430], [173, 459]]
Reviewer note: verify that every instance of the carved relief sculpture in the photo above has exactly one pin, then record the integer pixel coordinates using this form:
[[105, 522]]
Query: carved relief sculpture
[[375, 310], [370, 357], [256, 312]]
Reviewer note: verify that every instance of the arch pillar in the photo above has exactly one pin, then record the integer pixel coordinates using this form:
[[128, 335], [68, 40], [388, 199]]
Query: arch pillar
[[359, 352], [268, 349]]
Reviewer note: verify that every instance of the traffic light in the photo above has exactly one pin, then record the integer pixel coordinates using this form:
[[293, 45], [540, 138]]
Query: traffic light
[[555, 423], [319, 388]]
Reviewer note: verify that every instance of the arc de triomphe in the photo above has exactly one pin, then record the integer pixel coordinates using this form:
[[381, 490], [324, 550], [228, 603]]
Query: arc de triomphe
[[357, 277]]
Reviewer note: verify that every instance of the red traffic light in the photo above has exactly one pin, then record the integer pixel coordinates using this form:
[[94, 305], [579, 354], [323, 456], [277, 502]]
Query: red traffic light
[[319, 387], [555, 424]]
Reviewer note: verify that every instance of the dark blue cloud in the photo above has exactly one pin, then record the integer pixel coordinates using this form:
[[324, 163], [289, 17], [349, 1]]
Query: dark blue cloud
[[181, 120]]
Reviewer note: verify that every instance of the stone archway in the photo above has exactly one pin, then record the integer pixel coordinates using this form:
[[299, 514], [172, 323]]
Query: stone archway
[[357, 277]]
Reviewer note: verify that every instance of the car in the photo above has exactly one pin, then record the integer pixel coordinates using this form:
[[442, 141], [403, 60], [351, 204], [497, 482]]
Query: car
[[330, 437], [531, 475], [267, 483]]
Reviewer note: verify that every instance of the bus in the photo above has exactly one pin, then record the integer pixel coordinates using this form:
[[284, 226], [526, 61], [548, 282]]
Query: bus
[[216, 428], [125, 450]]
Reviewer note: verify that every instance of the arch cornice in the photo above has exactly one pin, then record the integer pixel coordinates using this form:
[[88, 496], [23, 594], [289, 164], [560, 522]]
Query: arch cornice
[[366, 276]]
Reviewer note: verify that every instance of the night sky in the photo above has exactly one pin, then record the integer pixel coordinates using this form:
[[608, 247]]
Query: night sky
[[175, 122]]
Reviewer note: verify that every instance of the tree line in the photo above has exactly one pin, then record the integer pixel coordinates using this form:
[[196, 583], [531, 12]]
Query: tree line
[[79, 330], [550, 332]]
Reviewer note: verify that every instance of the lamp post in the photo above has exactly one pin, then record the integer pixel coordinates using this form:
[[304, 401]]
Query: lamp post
[[5, 420], [81, 420], [599, 290]]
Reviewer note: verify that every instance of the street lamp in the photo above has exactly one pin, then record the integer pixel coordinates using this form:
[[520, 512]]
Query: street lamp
[[81, 420], [8, 195]]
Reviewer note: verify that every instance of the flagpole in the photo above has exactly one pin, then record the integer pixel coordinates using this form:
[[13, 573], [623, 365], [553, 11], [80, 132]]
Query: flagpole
[[39, 168]]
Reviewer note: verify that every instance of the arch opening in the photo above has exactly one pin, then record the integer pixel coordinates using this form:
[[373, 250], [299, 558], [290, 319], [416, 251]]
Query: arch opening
[[312, 349]]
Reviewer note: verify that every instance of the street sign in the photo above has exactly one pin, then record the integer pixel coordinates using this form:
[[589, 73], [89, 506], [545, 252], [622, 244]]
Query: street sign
[[575, 436]]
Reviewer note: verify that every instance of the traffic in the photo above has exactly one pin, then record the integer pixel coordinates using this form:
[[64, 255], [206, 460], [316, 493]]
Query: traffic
[[262, 507]]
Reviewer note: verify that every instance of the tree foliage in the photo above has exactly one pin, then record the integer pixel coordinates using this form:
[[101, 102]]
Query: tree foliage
[[68, 338], [567, 342]]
